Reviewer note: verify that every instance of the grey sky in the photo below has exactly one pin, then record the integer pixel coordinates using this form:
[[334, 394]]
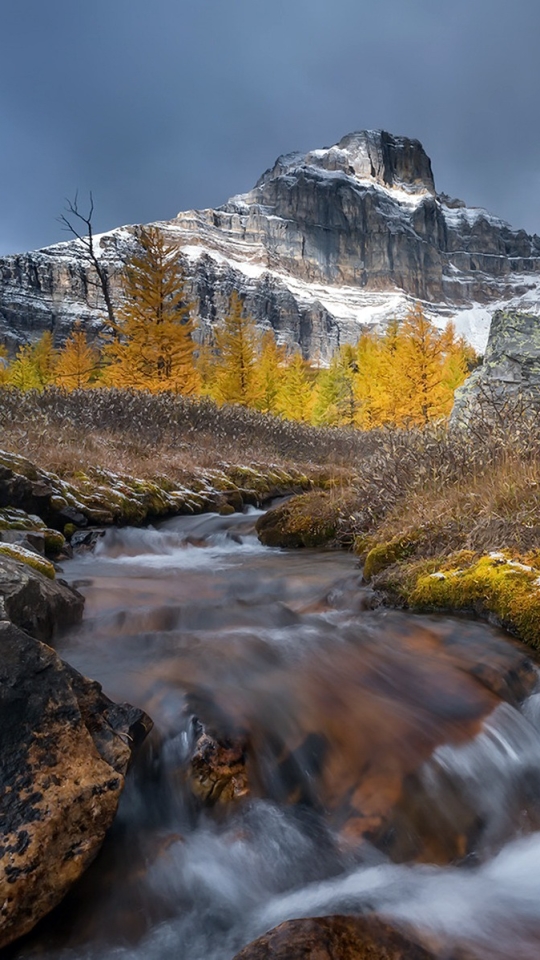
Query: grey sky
[[164, 105]]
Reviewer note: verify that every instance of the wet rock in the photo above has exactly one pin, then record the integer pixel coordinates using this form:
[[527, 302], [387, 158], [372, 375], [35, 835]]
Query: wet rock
[[217, 768], [35, 603], [308, 520], [65, 749], [86, 539], [29, 539], [334, 938]]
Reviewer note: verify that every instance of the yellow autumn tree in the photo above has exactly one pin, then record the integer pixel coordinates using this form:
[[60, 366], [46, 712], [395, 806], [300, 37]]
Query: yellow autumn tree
[[205, 363], [334, 396], [296, 393], [236, 342], [154, 347], [373, 385], [77, 363], [270, 364], [459, 360], [421, 356], [22, 372], [44, 358], [4, 366]]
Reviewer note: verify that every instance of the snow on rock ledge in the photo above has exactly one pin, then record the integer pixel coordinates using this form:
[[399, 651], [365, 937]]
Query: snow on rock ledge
[[325, 244]]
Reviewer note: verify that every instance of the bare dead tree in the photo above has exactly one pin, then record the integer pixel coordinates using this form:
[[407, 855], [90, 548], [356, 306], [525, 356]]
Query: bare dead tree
[[69, 221]]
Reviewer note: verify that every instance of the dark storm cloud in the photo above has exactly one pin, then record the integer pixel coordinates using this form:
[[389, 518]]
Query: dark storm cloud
[[174, 104]]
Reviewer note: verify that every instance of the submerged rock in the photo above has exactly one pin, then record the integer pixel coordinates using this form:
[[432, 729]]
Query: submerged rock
[[217, 769], [334, 938], [34, 602], [65, 749]]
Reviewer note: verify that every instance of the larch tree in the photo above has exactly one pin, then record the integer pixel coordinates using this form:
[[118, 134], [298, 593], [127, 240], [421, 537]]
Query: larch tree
[[154, 349], [459, 360], [373, 386], [22, 372], [4, 365], [296, 394], [268, 373], [421, 356], [44, 358], [77, 363], [236, 342], [335, 401]]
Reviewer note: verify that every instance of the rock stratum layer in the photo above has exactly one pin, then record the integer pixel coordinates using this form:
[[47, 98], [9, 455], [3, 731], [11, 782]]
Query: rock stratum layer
[[324, 244]]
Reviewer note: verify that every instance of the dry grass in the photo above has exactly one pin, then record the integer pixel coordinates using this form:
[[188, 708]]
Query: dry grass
[[444, 489], [141, 434]]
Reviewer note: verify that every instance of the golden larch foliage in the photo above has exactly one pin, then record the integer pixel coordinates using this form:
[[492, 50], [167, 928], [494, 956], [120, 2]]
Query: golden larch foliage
[[77, 363], [270, 365], [154, 347], [296, 394], [236, 342]]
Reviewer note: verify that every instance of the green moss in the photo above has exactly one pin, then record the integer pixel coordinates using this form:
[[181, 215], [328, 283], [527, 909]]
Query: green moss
[[506, 587], [307, 520], [385, 554], [15, 552], [69, 530], [14, 519], [54, 542]]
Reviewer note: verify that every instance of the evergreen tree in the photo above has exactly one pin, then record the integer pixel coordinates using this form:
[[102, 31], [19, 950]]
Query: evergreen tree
[[154, 349], [77, 363], [269, 371], [236, 345], [296, 393]]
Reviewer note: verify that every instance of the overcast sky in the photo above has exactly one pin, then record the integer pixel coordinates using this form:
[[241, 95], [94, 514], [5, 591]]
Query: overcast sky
[[165, 105]]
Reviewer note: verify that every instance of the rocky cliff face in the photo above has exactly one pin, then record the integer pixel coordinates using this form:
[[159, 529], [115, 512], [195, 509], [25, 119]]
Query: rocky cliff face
[[508, 382], [325, 243]]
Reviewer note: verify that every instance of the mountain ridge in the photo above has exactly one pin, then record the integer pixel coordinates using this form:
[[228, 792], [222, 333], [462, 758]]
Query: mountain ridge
[[325, 244]]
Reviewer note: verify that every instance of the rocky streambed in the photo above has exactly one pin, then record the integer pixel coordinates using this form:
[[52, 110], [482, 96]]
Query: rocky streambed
[[324, 778], [65, 746], [312, 748]]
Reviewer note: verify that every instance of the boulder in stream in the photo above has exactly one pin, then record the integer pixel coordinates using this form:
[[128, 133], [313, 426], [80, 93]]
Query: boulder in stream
[[35, 603], [334, 938], [65, 749]]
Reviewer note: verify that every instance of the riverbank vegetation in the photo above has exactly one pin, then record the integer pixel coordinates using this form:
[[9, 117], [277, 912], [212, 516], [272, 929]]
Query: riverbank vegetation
[[429, 502]]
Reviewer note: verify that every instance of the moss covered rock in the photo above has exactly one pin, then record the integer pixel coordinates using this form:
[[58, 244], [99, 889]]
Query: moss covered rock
[[383, 555], [17, 552], [308, 520], [496, 584]]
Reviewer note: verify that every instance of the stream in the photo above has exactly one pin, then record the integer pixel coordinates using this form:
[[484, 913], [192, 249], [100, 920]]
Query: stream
[[393, 760]]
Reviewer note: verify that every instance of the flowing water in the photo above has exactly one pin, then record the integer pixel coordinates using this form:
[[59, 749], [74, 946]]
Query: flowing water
[[393, 761]]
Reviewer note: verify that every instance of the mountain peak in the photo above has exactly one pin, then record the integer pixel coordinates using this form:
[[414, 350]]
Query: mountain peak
[[366, 155]]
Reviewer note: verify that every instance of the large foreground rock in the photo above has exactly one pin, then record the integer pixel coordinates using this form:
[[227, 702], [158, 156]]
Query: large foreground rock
[[334, 938], [35, 603], [65, 749]]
